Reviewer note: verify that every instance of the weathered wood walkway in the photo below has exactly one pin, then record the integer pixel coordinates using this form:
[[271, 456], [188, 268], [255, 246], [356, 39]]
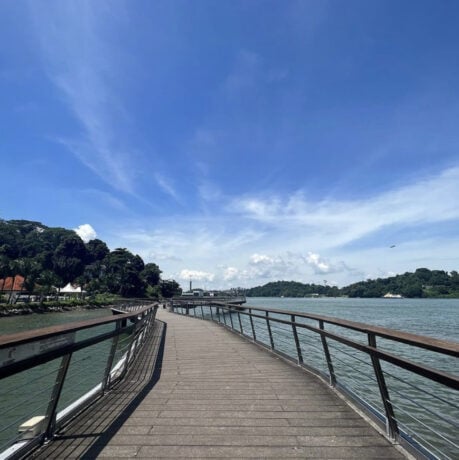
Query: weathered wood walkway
[[213, 395]]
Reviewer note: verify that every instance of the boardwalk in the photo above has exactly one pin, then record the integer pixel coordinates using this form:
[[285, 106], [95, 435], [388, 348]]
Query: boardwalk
[[216, 395]]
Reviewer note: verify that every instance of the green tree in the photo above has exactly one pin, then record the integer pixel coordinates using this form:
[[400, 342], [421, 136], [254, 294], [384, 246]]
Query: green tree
[[122, 275], [97, 250], [48, 280], [4, 270], [169, 288], [29, 269], [151, 274], [14, 268], [69, 258]]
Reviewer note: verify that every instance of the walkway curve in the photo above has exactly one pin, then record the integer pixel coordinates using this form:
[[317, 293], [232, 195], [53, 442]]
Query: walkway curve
[[216, 395]]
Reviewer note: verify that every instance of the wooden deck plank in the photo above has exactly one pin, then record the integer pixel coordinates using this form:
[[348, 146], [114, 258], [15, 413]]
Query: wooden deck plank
[[217, 395]]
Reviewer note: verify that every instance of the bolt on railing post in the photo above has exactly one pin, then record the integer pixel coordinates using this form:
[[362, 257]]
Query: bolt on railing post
[[240, 322], [391, 422], [297, 340], [331, 370], [111, 357], [50, 418], [268, 324], [251, 324]]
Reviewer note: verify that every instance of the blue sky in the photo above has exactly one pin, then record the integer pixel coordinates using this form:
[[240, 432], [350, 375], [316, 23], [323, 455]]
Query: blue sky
[[238, 142]]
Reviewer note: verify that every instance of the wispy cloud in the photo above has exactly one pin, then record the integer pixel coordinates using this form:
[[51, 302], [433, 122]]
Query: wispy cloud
[[167, 187], [74, 41], [333, 223], [248, 241]]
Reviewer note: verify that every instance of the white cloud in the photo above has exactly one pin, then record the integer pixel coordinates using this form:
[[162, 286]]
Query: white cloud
[[261, 259], [196, 275], [268, 267], [319, 265], [323, 266], [331, 223], [86, 232], [231, 273], [299, 239]]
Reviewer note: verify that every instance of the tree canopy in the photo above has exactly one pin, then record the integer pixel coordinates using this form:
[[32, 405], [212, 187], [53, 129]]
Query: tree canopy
[[48, 257]]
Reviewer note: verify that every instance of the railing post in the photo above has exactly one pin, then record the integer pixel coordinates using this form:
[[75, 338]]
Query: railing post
[[224, 318], [231, 317], [240, 322], [128, 354], [331, 370], [297, 340], [50, 419], [268, 324], [111, 357], [251, 324], [211, 314], [202, 312], [218, 315], [391, 422]]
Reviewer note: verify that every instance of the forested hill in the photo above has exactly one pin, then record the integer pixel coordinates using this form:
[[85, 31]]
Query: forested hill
[[292, 289], [422, 283], [47, 257]]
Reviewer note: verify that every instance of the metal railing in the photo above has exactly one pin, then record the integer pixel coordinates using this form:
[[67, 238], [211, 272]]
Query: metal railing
[[49, 375], [408, 384]]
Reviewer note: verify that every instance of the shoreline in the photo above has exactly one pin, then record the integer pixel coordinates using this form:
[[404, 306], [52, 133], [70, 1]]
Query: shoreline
[[43, 309]]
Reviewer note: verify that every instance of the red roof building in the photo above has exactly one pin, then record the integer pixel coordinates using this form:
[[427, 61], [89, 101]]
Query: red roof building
[[6, 285]]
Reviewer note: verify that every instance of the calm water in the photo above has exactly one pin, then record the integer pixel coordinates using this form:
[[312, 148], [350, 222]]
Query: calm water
[[432, 317], [11, 324]]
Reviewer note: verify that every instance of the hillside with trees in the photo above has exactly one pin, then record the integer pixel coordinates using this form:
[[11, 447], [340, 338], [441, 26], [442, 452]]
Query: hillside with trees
[[49, 258], [292, 289], [422, 283]]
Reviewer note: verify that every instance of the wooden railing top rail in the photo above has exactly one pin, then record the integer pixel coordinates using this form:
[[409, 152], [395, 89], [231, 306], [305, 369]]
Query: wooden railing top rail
[[46, 332], [430, 343]]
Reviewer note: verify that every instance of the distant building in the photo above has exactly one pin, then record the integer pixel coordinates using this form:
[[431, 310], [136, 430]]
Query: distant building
[[392, 296], [6, 285]]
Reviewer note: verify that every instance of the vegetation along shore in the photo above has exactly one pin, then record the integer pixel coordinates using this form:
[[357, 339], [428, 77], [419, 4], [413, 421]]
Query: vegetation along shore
[[52, 269]]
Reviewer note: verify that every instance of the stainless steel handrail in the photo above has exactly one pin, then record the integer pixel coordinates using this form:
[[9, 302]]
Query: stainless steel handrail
[[37, 350], [270, 328]]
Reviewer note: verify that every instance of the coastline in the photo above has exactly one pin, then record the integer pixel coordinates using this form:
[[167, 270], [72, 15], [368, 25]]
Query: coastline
[[42, 309]]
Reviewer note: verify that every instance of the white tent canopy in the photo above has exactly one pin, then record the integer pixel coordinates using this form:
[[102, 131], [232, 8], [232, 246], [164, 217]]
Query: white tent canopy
[[69, 289]]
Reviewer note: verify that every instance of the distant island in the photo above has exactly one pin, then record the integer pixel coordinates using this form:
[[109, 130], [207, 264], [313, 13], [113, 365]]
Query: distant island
[[422, 283]]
